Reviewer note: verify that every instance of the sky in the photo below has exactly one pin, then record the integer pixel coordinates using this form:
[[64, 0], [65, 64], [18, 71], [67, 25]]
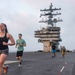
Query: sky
[[23, 16]]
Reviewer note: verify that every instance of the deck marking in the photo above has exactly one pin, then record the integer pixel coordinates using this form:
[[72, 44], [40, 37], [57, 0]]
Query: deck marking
[[10, 62], [62, 69]]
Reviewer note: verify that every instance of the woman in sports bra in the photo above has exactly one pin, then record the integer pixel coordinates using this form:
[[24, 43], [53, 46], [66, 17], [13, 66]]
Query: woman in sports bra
[[4, 49]]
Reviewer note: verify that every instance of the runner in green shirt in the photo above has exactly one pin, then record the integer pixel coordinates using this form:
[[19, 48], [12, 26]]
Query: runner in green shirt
[[20, 43]]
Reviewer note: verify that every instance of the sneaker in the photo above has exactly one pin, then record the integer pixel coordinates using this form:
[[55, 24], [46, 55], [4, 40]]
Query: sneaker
[[5, 69], [19, 65], [52, 56]]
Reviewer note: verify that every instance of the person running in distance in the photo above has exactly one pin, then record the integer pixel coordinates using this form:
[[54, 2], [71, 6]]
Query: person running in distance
[[4, 49], [20, 43], [53, 50], [63, 50]]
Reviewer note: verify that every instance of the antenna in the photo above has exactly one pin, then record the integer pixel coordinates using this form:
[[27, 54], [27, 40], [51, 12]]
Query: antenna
[[50, 20]]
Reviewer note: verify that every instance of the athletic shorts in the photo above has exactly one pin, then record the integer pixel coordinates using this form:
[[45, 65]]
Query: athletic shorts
[[53, 51], [19, 53], [6, 51]]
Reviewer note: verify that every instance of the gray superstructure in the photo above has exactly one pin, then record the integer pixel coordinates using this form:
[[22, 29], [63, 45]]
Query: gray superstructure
[[51, 33]]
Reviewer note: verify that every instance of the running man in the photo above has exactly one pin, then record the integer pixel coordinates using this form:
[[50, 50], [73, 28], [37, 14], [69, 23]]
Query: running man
[[20, 43], [53, 50]]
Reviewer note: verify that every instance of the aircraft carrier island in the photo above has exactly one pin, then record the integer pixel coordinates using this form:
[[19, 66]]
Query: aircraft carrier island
[[50, 34]]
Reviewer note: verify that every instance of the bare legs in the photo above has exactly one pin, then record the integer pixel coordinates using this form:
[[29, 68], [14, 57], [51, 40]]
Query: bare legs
[[54, 54], [2, 60], [19, 59]]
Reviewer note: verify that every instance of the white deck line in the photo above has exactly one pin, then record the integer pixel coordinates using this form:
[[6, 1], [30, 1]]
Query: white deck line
[[9, 62], [62, 69]]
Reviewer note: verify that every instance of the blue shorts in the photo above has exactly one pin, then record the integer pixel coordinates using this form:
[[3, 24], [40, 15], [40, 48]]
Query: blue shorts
[[53, 51]]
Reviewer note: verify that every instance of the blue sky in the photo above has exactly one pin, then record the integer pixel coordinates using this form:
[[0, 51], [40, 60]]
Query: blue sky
[[22, 16]]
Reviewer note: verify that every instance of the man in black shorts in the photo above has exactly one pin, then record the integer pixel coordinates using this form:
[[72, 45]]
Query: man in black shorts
[[20, 43]]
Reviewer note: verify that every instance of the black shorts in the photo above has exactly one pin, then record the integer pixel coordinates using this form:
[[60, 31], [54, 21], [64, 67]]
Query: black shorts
[[19, 53], [5, 51]]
